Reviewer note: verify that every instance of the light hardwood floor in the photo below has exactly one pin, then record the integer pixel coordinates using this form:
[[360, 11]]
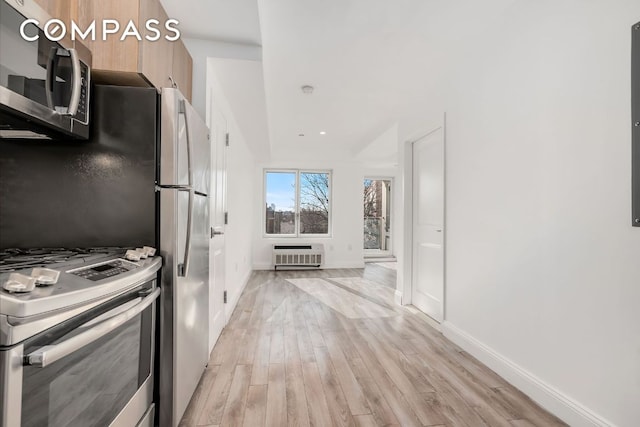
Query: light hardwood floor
[[330, 348]]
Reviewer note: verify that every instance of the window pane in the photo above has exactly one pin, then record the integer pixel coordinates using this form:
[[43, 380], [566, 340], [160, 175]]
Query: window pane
[[314, 203], [281, 201]]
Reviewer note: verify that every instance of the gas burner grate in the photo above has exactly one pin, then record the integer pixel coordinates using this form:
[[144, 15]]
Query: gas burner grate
[[18, 259]]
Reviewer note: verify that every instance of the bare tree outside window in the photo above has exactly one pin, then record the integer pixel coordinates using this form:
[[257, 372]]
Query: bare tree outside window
[[310, 215], [314, 203], [370, 189]]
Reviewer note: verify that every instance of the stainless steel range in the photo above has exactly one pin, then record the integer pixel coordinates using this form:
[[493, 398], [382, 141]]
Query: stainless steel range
[[77, 337]]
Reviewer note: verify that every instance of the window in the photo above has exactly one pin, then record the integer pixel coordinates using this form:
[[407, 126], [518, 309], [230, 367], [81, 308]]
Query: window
[[297, 203]]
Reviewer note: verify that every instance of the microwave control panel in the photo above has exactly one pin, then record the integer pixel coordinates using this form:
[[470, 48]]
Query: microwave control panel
[[83, 106]]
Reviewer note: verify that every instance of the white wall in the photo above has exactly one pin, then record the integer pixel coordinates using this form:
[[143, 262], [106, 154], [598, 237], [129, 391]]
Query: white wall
[[200, 51], [543, 266], [344, 248], [239, 232]]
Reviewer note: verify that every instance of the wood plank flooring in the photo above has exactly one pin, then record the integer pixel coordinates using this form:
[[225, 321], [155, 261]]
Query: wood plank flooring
[[330, 348]]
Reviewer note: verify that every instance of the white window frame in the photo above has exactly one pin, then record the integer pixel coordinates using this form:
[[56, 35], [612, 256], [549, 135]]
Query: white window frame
[[297, 234]]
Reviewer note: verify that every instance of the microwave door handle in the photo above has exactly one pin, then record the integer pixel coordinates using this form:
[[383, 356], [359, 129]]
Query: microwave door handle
[[51, 76], [49, 354], [74, 102]]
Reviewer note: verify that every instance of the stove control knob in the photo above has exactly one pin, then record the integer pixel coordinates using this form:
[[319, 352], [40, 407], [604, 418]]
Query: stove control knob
[[45, 276], [132, 255], [19, 283], [142, 253], [150, 251]]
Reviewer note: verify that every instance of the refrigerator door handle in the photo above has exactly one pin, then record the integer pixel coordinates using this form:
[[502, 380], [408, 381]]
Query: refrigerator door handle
[[183, 269], [183, 110]]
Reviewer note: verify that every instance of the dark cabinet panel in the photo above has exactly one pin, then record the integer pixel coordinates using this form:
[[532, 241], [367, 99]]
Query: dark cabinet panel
[[100, 192]]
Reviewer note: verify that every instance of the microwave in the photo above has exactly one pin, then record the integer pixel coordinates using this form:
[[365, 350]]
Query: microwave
[[44, 84]]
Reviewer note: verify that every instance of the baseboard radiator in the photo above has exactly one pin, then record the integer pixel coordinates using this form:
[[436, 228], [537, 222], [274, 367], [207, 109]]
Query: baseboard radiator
[[298, 255]]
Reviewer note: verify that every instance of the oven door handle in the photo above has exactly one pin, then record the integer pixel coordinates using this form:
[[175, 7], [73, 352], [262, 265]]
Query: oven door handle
[[51, 353]]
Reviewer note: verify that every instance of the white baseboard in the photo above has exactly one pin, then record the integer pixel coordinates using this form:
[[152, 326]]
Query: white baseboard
[[232, 302], [398, 297], [547, 396]]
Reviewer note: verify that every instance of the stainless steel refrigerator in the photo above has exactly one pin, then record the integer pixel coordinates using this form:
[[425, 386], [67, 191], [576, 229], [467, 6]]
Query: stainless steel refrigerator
[[183, 185], [141, 179]]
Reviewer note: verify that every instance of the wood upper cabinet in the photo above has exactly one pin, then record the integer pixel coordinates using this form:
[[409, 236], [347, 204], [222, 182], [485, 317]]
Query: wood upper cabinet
[[111, 54], [65, 10], [156, 57], [182, 69], [132, 62]]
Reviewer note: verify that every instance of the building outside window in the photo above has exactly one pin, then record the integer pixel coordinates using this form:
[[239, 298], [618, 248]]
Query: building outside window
[[297, 203]]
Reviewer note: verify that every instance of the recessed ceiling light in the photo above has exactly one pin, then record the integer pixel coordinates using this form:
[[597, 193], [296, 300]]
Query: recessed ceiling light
[[323, 133], [301, 134], [307, 89]]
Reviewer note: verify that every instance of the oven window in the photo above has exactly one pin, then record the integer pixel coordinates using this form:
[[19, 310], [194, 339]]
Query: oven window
[[91, 386]]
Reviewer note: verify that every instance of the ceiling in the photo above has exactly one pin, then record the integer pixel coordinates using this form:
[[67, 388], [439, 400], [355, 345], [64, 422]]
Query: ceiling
[[232, 21], [368, 61]]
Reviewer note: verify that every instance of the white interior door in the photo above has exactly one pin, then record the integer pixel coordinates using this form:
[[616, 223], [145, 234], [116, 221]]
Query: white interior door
[[428, 224], [217, 319]]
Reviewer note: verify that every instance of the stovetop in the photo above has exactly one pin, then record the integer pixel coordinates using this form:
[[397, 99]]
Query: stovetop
[[18, 259], [85, 275]]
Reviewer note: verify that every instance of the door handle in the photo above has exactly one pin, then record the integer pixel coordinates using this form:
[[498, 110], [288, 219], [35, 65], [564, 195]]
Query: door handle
[[183, 269], [183, 110], [74, 102], [76, 88], [216, 233], [51, 77], [49, 354]]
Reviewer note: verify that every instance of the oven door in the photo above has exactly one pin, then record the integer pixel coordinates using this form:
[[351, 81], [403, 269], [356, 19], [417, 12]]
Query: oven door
[[93, 370]]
